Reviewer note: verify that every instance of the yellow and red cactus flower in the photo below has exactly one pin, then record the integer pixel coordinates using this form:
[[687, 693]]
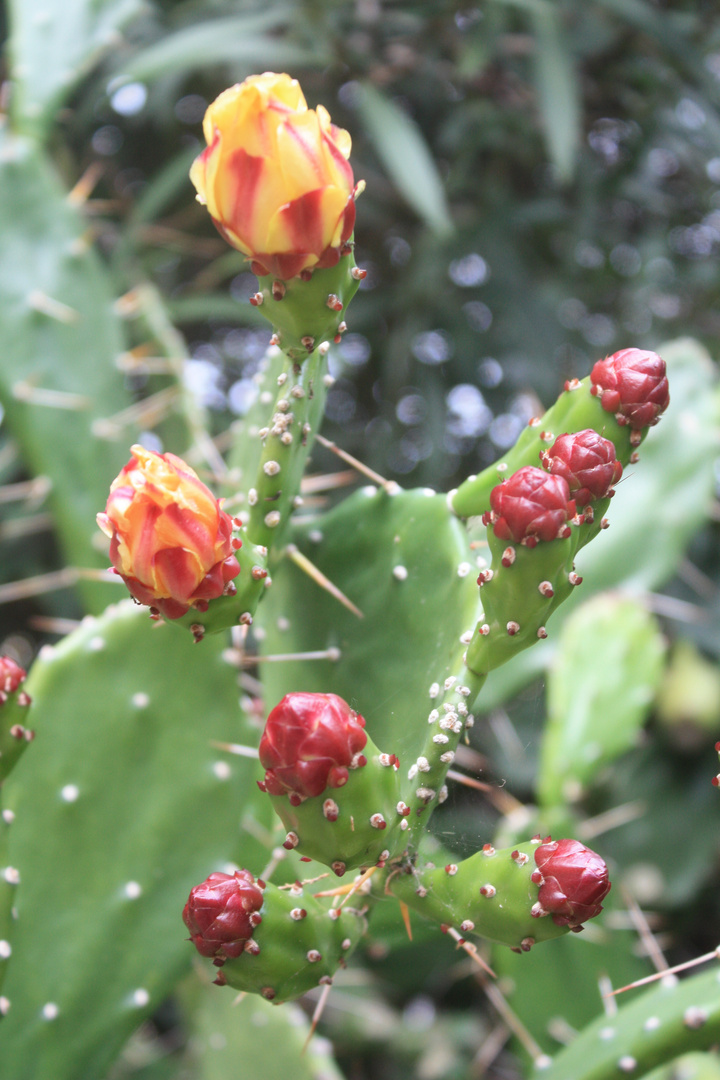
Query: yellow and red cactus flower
[[275, 176], [170, 540]]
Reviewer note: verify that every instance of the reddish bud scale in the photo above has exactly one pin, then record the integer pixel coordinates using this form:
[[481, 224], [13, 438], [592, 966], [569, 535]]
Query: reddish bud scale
[[14, 702], [574, 881], [221, 914], [587, 462], [530, 506], [11, 676], [309, 743], [633, 385]]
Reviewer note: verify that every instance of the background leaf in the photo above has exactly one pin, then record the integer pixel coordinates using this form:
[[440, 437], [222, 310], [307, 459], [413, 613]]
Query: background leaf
[[405, 154]]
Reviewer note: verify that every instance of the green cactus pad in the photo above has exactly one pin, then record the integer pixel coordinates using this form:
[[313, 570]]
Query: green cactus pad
[[301, 943], [62, 336], [671, 1019], [613, 649], [693, 1066], [351, 826], [404, 560], [305, 313], [223, 1035], [490, 894], [120, 807]]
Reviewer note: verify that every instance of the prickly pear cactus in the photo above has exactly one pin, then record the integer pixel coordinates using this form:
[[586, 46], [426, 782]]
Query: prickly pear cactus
[[266, 733]]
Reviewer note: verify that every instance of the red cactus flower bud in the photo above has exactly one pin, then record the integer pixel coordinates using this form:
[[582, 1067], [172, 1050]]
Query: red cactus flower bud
[[11, 676], [531, 505], [573, 880], [309, 743], [587, 461], [632, 384], [170, 541], [221, 914]]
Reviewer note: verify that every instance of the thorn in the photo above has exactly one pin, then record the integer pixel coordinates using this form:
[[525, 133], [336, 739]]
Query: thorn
[[672, 608], [490, 1049], [310, 485], [405, 912], [24, 390], [84, 187], [714, 955], [605, 988], [146, 413], [471, 950], [346, 891], [317, 575], [358, 465], [54, 309], [332, 653], [610, 819], [241, 997], [468, 781], [235, 748], [49, 624], [56, 579], [316, 1015], [639, 921], [512, 1020], [33, 492]]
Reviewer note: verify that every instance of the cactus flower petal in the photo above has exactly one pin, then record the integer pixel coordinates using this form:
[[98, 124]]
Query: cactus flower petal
[[574, 881], [170, 541], [587, 461], [220, 913], [531, 505], [309, 743], [275, 176], [632, 384]]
